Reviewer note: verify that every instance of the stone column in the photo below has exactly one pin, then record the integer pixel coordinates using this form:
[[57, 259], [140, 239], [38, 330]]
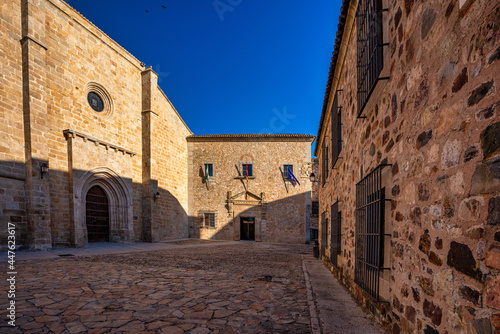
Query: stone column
[[149, 185], [35, 123]]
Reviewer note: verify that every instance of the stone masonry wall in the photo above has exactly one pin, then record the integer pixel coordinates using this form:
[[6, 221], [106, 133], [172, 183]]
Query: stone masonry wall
[[12, 155], [436, 122], [284, 217]]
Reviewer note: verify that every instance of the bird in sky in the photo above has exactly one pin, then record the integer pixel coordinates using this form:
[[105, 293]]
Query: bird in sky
[[147, 11], [163, 7]]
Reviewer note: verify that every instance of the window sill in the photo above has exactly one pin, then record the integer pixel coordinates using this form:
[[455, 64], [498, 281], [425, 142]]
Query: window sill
[[244, 177]]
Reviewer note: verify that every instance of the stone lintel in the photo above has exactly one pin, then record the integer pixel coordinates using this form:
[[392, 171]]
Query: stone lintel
[[73, 134]]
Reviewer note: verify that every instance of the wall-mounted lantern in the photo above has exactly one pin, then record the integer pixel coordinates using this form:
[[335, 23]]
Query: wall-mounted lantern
[[44, 169], [156, 196], [312, 177]]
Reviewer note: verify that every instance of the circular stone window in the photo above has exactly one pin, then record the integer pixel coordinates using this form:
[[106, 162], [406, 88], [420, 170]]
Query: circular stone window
[[95, 101], [98, 98]]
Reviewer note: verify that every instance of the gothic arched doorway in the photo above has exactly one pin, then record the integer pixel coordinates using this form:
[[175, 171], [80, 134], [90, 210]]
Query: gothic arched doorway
[[97, 215]]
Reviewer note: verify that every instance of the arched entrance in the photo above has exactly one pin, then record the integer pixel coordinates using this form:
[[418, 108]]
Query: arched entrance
[[97, 215]]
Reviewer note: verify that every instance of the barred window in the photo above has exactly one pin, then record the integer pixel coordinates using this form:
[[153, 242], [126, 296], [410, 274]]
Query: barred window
[[209, 219], [314, 208], [336, 233], [314, 234], [324, 233], [336, 130], [325, 166], [370, 51], [370, 231]]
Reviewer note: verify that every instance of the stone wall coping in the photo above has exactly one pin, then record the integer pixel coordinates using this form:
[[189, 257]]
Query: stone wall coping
[[175, 110], [252, 137], [72, 134]]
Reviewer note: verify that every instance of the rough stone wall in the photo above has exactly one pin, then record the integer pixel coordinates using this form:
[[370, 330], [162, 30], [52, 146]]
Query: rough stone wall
[[436, 121], [12, 156], [284, 216]]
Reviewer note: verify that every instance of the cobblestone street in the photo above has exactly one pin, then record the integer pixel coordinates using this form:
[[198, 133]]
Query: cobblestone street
[[192, 286]]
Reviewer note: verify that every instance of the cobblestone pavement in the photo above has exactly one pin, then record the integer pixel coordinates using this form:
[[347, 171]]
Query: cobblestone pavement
[[223, 288]]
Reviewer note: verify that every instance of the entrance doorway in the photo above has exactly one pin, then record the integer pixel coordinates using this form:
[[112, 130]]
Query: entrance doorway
[[97, 215], [247, 228]]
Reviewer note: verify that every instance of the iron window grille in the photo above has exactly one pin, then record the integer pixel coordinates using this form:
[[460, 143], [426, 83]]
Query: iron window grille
[[314, 234], [336, 130], [324, 233], [325, 163], [247, 170], [369, 235], [209, 219], [336, 233], [287, 168], [314, 208], [370, 52]]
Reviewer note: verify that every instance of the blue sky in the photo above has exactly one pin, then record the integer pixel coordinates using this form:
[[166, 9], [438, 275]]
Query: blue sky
[[230, 66]]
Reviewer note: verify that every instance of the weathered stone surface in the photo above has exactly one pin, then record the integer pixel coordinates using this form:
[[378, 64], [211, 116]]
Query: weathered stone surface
[[433, 312], [435, 259], [493, 292], [410, 313], [428, 19], [490, 140], [486, 113], [426, 284], [493, 258], [497, 236], [397, 17], [470, 153], [479, 93], [482, 326], [408, 6], [460, 257], [424, 138], [470, 294], [430, 330], [451, 153], [470, 208], [494, 56], [424, 244], [460, 81], [484, 181], [475, 233]]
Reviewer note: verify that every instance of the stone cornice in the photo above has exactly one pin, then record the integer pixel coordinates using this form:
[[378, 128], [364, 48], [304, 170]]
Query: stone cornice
[[72, 134]]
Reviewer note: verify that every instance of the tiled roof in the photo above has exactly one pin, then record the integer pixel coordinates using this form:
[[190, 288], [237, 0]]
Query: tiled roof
[[333, 63], [253, 136]]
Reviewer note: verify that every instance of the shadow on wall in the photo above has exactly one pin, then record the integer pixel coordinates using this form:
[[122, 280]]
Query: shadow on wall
[[69, 209], [286, 220]]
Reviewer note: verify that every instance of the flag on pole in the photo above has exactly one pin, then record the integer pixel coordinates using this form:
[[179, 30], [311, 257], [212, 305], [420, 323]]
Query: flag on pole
[[292, 177], [207, 174]]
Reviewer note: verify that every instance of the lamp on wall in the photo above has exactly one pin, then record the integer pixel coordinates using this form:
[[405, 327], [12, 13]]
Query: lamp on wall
[[44, 169], [156, 196], [312, 177]]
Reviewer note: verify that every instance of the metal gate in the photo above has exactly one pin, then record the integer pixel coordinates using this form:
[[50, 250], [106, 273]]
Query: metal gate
[[97, 215]]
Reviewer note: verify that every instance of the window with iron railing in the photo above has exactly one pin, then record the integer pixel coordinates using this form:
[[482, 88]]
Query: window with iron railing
[[325, 166], [314, 208], [336, 130], [324, 233], [370, 52], [314, 234], [336, 218], [370, 231]]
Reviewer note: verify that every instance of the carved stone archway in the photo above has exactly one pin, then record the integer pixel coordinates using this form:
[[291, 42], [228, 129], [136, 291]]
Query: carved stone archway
[[247, 204], [120, 205]]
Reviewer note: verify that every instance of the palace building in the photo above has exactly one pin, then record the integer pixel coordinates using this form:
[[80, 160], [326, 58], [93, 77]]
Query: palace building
[[92, 149]]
